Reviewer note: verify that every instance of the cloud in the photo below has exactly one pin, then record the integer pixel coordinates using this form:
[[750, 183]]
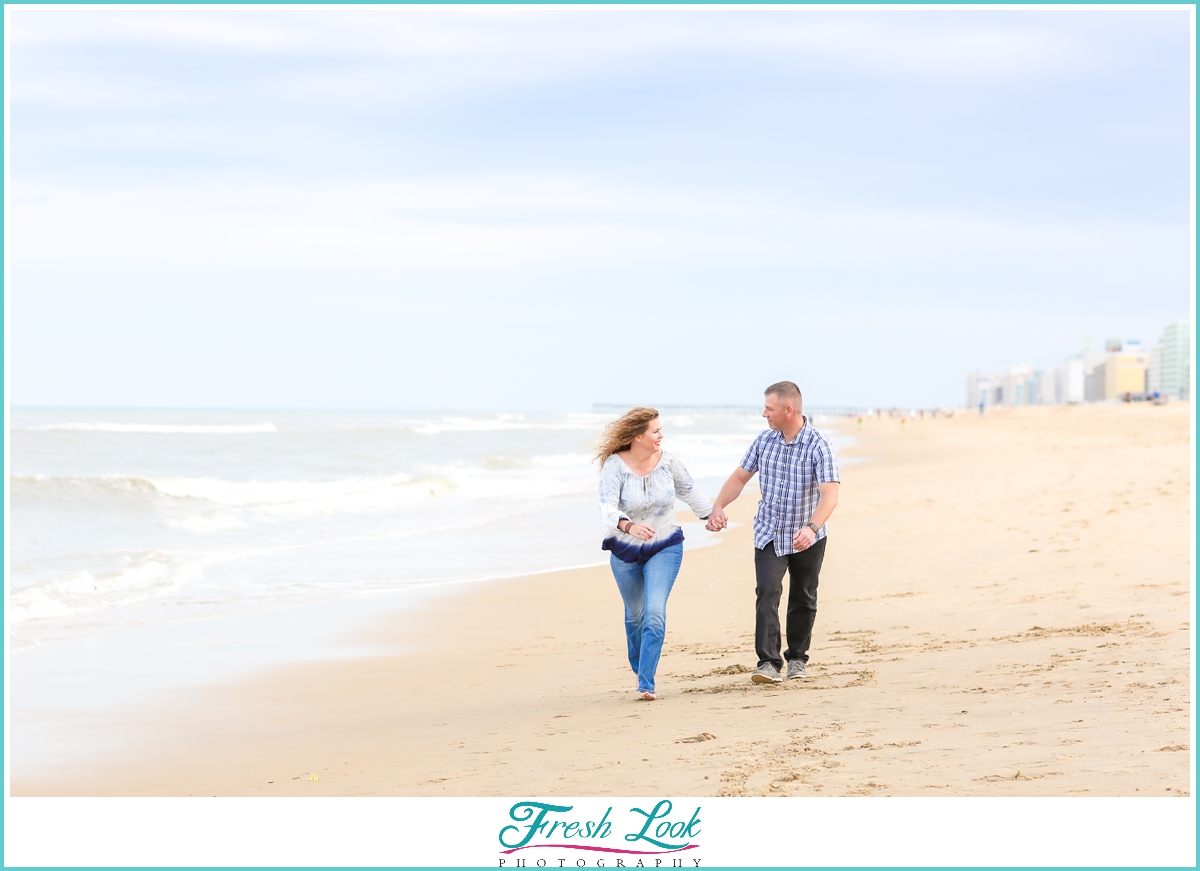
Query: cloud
[[538, 229], [415, 54]]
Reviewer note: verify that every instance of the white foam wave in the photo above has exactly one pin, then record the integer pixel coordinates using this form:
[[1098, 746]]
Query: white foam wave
[[573, 463], [200, 524], [565, 461], [32, 485], [150, 575], [162, 428], [305, 498], [678, 420], [516, 478], [495, 423], [534, 479], [478, 485]]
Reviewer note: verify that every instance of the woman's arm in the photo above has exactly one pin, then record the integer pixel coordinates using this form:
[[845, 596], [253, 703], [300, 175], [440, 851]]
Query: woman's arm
[[685, 490], [611, 514]]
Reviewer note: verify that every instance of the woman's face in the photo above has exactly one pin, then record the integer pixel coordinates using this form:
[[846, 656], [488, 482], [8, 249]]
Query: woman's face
[[652, 437]]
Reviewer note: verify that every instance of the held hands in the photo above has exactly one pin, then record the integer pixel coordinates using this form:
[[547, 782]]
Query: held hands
[[716, 520], [804, 538]]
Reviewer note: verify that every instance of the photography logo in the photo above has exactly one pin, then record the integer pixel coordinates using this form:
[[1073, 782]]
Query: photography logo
[[639, 838]]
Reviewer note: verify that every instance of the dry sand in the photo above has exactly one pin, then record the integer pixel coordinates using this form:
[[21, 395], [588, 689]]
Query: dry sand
[[1005, 609]]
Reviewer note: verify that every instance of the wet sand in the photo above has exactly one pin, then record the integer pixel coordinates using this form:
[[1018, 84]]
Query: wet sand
[[1004, 610]]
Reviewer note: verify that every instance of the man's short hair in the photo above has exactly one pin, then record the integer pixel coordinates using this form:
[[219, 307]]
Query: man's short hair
[[789, 393]]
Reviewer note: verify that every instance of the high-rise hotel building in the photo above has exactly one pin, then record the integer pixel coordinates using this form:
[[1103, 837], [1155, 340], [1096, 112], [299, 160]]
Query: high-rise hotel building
[[1170, 362]]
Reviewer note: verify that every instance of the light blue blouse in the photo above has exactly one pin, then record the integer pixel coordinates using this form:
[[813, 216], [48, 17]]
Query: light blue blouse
[[648, 499]]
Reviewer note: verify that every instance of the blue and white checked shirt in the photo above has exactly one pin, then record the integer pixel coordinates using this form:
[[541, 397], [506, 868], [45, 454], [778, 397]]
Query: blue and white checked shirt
[[788, 477]]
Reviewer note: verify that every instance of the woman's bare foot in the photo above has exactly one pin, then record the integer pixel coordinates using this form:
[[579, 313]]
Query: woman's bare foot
[[647, 697]]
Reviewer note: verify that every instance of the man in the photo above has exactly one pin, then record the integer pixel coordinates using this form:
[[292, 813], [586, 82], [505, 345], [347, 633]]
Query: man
[[798, 479]]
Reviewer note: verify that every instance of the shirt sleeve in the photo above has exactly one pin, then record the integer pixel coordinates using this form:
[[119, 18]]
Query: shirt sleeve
[[685, 490], [610, 494], [825, 467], [750, 460]]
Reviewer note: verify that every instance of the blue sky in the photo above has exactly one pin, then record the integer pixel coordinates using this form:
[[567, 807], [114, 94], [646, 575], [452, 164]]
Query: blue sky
[[540, 208]]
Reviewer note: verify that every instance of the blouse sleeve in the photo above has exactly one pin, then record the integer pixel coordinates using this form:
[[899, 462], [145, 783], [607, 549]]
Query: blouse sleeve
[[686, 490], [610, 494]]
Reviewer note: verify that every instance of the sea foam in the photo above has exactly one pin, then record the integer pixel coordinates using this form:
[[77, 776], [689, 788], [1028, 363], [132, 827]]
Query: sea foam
[[143, 576], [160, 428]]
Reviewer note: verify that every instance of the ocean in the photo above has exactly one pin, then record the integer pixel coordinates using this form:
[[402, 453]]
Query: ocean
[[150, 549]]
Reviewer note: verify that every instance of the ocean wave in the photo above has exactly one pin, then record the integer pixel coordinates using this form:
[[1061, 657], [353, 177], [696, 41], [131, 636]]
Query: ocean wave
[[201, 524], [159, 428], [573, 463], [277, 498], [71, 488], [564, 461], [509, 478], [235, 502], [496, 423], [308, 498], [533, 488], [147, 576]]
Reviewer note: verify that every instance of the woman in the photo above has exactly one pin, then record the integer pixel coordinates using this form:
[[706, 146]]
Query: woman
[[639, 483]]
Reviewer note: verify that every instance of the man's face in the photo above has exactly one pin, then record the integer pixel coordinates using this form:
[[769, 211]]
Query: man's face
[[777, 412]]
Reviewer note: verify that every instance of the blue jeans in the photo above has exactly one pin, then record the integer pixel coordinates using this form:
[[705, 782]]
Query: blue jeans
[[645, 589]]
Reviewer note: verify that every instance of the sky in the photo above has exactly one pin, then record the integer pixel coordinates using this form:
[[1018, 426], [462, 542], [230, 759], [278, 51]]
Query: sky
[[537, 209]]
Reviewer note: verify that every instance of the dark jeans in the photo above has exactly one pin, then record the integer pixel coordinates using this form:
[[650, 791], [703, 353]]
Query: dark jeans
[[803, 569]]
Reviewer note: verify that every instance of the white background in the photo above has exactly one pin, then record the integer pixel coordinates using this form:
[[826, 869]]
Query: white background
[[735, 832]]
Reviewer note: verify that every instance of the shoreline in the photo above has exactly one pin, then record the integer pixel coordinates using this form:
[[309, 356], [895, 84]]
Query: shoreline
[[511, 682]]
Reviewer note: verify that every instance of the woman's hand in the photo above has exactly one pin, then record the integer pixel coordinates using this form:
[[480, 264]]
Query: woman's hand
[[717, 520], [640, 530]]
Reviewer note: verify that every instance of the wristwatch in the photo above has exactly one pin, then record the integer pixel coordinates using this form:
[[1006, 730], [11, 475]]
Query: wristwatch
[[816, 529]]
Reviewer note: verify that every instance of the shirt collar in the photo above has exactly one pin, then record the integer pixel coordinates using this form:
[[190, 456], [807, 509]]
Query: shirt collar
[[800, 436]]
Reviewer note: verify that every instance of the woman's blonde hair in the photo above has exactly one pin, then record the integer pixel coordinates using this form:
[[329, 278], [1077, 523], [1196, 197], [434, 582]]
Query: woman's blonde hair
[[619, 435]]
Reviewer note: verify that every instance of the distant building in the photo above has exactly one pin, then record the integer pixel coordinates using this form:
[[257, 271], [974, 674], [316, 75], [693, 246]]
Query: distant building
[[973, 380], [1047, 388], [1094, 381], [1018, 385], [981, 390], [1125, 373], [1125, 367], [1093, 385], [1073, 380], [1170, 363]]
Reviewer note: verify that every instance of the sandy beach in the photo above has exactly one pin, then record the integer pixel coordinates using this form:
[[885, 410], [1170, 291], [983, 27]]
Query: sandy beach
[[1004, 610]]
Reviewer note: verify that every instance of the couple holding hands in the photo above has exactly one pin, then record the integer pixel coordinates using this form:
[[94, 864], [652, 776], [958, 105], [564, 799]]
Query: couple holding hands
[[639, 483]]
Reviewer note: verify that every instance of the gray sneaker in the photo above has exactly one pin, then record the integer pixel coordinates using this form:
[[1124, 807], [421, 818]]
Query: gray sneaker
[[766, 673], [796, 668]]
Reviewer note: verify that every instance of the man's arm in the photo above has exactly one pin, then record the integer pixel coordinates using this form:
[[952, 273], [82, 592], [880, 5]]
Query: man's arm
[[730, 490], [805, 537]]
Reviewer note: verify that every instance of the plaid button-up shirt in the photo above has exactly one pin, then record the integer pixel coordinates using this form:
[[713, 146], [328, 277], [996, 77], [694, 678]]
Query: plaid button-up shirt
[[789, 474]]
